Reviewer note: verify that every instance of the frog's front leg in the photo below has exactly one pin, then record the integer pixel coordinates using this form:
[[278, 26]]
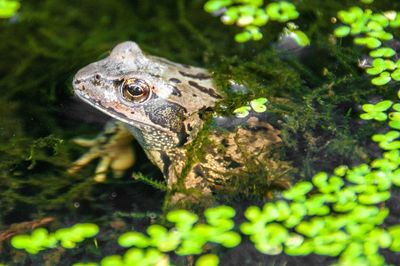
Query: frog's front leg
[[113, 147]]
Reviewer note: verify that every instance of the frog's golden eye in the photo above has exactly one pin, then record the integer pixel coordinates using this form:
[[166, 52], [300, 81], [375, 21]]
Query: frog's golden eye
[[135, 90]]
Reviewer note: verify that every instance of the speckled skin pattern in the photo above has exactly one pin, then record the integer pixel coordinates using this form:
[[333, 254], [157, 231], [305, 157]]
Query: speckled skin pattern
[[160, 103]]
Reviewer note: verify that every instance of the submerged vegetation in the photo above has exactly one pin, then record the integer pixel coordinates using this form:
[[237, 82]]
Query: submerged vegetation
[[344, 214]]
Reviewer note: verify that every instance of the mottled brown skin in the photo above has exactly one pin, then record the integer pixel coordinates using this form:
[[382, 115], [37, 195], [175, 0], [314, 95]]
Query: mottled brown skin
[[163, 105]]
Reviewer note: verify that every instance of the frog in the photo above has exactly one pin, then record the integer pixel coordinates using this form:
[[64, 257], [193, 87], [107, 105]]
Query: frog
[[169, 109]]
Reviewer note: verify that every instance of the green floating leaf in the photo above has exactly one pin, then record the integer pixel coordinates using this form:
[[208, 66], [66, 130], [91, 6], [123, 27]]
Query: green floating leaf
[[342, 31], [367, 1], [298, 191], [270, 211], [376, 111], [383, 79], [282, 11], [228, 239], [379, 18], [294, 240], [381, 106], [134, 256], [395, 21], [130, 239], [370, 42], [258, 105], [394, 116], [300, 38], [304, 249], [320, 179], [242, 112], [113, 260], [208, 260], [381, 35], [311, 228], [215, 5], [396, 75], [86, 230], [243, 37], [363, 213], [394, 232], [283, 210], [157, 231], [277, 234], [8, 8], [183, 218], [356, 175], [220, 212], [261, 18], [269, 249], [84, 264], [381, 237], [39, 239], [383, 52], [230, 16], [252, 213], [350, 16], [375, 198], [388, 137], [21, 241], [340, 170], [316, 205], [332, 250]]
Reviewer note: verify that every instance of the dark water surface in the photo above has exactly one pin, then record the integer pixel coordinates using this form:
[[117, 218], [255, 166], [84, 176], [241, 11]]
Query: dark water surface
[[43, 46]]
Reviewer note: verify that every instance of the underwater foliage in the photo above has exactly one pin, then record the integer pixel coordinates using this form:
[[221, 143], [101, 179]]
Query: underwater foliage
[[253, 14]]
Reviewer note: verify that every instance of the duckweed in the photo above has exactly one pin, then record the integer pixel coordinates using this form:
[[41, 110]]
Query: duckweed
[[376, 111], [253, 14], [370, 30], [41, 239], [8, 8], [257, 105]]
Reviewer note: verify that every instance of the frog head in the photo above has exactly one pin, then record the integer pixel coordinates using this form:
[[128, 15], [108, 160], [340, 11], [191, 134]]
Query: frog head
[[159, 100]]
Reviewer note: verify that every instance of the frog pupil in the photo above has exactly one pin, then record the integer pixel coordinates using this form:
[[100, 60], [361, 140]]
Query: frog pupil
[[135, 90]]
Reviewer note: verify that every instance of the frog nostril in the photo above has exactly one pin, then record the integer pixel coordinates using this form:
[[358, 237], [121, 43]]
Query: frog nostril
[[97, 76], [82, 88]]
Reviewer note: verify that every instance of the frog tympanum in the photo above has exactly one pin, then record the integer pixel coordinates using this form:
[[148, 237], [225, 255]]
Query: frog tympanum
[[164, 105]]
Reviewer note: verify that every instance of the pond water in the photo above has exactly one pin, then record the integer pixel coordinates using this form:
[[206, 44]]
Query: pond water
[[314, 93]]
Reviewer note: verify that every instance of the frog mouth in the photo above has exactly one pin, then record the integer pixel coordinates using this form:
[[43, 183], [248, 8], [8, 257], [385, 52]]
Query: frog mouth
[[80, 92]]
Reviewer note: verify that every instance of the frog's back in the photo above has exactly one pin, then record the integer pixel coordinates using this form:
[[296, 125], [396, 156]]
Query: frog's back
[[234, 151]]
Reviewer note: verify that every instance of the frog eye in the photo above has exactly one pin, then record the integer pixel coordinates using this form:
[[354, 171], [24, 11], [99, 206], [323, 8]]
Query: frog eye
[[135, 90]]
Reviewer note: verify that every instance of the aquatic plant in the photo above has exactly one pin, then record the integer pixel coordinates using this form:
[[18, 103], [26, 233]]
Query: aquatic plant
[[253, 14], [370, 30], [40, 238], [257, 105], [8, 8], [187, 237], [332, 215], [376, 111]]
